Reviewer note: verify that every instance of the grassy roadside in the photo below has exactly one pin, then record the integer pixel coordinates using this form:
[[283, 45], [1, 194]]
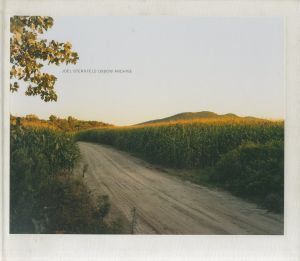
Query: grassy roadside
[[45, 195], [253, 172], [196, 176]]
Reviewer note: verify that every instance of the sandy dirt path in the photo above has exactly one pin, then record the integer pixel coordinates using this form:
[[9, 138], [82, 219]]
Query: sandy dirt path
[[164, 203]]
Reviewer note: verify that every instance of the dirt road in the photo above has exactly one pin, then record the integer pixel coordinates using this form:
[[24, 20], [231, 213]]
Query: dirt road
[[165, 204]]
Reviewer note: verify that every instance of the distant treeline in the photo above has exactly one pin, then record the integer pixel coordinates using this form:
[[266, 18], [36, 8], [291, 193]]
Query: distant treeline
[[69, 124]]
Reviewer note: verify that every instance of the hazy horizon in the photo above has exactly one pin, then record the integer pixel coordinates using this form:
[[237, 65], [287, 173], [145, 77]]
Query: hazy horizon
[[47, 118], [179, 64]]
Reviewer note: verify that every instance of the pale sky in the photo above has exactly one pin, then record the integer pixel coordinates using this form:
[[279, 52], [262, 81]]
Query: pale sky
[[179, 64]]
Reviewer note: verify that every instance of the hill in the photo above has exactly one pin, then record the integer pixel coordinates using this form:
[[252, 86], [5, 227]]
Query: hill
[[196, 115]]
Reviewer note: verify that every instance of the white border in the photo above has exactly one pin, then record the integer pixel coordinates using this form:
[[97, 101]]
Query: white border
[[84, 247], [1, 129]]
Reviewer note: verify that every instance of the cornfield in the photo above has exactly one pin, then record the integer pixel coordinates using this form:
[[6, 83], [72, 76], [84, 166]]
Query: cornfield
[[187, 144], [43, 190], [55, 149]]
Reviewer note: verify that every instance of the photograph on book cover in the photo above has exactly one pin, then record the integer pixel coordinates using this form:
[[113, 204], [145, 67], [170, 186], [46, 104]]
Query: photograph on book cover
[[146, 125], [158, 124]]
